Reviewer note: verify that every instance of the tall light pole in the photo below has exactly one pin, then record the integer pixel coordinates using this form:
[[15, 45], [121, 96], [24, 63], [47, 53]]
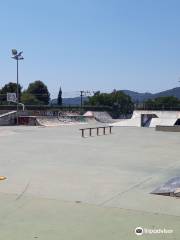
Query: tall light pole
[[17, 56]]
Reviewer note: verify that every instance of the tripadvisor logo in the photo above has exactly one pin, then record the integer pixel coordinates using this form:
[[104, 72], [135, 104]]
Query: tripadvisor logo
[[139, 231]]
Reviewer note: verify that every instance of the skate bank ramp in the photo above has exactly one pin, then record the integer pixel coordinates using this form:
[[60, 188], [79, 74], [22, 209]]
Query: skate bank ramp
[[8, 118], [102, 117], [150, 119]]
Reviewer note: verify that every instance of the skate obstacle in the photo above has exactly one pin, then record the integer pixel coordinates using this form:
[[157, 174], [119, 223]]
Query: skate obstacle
[[96, 130]]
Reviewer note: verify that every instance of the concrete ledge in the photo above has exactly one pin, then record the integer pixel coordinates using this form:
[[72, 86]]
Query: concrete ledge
[[168, 128]]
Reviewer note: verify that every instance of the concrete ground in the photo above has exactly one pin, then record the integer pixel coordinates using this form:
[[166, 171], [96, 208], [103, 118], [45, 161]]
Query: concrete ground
[[61, 186]]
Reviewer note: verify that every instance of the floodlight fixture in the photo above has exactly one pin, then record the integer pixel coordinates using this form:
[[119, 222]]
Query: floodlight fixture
[[14, 52]]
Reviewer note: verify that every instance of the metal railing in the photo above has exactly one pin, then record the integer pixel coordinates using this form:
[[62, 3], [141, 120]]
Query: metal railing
[[90, 131]]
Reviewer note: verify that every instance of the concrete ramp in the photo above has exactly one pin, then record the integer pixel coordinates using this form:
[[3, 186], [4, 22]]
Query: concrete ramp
[[8, 118], [150, 119], [170, 188], [162, 122], [134, 121], [102, 117]]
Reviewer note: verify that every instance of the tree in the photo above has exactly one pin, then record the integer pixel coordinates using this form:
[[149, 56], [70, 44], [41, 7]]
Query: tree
[[59, 99], [150, 104], [29, 99], [39, 90], [1, 96], [167, 102], [118, 100], [162, 102], [10, 88]]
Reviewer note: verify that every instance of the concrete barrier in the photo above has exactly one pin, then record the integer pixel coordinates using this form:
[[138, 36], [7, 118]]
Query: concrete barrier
[[168, 128]]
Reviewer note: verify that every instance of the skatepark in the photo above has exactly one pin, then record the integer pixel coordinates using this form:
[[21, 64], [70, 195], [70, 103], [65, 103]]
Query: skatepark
[[90, 120], [140, 118], [61, 186]]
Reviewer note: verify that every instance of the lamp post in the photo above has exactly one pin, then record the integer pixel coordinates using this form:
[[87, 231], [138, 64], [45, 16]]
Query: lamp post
[[17, 56]]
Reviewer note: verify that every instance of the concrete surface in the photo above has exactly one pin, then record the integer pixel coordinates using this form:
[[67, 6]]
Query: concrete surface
[[62, 186]]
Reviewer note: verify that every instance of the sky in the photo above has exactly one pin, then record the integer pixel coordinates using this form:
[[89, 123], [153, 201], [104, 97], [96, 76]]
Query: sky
[[92, 44]]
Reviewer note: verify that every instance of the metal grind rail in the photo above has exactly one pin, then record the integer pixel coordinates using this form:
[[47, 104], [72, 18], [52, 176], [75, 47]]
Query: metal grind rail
[[91, 130]]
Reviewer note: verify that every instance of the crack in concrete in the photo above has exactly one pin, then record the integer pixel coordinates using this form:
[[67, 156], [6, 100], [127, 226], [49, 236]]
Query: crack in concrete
[[22, 193], [123, 192]]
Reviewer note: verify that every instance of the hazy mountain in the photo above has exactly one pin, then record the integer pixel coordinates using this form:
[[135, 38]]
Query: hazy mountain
[[140, 97], [76, 101], [136, 96], [172, 92]]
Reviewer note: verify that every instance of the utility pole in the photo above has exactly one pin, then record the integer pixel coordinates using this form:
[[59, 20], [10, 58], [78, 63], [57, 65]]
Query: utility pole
[[82, 94]]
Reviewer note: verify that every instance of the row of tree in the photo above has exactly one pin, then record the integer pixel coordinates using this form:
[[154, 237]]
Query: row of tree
[[118, 100], [36, 94], [162, 102], [123, 104]]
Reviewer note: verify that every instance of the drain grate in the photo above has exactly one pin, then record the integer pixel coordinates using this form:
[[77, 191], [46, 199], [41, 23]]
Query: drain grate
[[170, 188]]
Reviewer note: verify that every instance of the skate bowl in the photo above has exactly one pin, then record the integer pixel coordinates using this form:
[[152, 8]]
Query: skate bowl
[[62, 119], [47, 121], [150, 119], [53, 121]]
